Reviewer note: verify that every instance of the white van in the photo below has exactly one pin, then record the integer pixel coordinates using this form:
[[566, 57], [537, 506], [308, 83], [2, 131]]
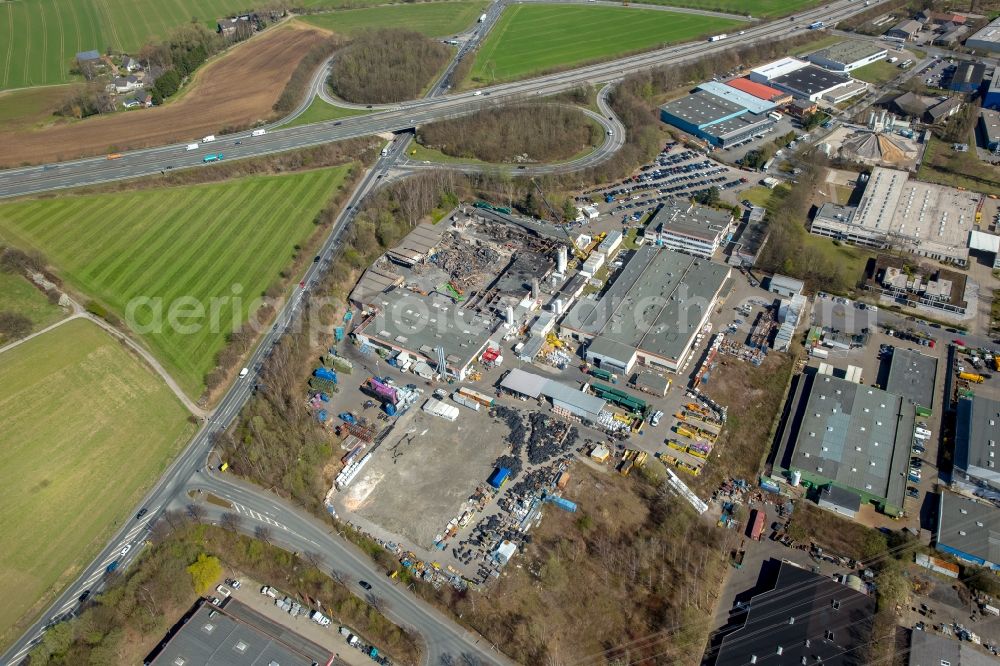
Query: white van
[[208, 139], [192, 146], [258, 132], [244, 372]]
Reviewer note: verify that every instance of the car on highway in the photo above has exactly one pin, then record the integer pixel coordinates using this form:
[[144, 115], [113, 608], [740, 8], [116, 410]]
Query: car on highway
[[84, 596], [316, 259], [302, 284], [142, 512], [111, 567], [244, 372], [365, 584], [125, 549]]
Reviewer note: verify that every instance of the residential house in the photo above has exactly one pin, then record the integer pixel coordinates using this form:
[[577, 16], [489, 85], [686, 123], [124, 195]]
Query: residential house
[[126, 84], [940, 18], [130, 64], [905, 30]]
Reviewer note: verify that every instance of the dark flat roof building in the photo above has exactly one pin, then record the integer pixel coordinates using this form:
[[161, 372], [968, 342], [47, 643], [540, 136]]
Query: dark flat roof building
[[969, 530], [235, 636], [811, 82], [911, 375], [803, 618], [968, 77], [977, 440]]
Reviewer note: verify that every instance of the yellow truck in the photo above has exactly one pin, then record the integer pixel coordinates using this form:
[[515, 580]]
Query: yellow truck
[[971, 377]]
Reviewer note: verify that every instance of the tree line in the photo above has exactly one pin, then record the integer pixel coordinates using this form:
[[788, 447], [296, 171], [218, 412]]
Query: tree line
[[523, 132], [147, 599], [387, 65], [298, 84], [15, 325]]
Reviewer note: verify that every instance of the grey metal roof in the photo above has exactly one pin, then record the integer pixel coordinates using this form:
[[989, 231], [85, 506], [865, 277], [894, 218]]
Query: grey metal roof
[[847, 52], [969, 527], [422, 323], [236, 636], [911, 375], [745, 100], [841, 497], [857, 436], [702, 108], [525, 383], [808, 617], [742, 123], [698, 222], [989, 121], [608, 348], [931, 649], [655, 303], [576, 401], [811, 80], [651, 381], [785, 282], [977, 438]]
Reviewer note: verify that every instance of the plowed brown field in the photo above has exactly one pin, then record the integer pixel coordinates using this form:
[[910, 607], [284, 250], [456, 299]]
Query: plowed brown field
[[237, 89]]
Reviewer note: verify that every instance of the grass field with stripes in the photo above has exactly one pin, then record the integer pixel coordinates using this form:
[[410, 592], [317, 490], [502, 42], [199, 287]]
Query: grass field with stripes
[[40, 38], [217, 247], [534, 38], [87, 428]]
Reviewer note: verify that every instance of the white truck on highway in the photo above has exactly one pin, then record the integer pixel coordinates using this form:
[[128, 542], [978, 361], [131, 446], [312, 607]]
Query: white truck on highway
[[482, 18], [208, 139], [192, 146], [717, 38], [258, 132]]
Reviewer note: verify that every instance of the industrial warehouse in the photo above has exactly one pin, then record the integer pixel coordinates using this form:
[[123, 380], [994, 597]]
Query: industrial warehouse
[[726, 114], [446, 289], [849, 441], [651, 313], [932, 221]]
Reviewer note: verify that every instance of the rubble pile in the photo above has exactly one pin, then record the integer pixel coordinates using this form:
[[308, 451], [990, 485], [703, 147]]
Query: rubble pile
[[465, 262]]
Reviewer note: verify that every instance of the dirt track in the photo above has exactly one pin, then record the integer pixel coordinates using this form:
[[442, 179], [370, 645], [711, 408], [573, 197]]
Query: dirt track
[[236, 89]]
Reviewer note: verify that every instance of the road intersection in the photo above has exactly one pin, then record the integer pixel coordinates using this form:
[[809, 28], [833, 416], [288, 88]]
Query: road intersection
[[295, 529]]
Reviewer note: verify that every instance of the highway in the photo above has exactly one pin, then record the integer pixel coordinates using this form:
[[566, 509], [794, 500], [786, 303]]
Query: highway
[[174, 481], [441, 635], [89, 171]]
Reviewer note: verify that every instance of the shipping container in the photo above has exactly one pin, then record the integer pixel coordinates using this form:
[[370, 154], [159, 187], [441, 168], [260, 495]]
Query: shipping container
[[756, 524], [465, 401], [481, 398]]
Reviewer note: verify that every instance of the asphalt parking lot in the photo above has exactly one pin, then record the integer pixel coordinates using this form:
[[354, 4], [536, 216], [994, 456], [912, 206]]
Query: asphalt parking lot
[[678, 173]]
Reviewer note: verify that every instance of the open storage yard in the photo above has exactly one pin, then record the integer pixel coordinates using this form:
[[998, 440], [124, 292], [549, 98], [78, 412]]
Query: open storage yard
[[434, 19], [202, 242], [534, 38], [425, 470], [235, 90], [74, 468]]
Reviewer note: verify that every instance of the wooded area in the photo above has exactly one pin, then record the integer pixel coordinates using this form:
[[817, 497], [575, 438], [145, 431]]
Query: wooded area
[[121, 625], [298, 85], [388, 65], [520, 133]]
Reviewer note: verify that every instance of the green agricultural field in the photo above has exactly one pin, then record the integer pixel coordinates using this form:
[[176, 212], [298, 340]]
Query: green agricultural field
[[438, 19], [40, 38], [21, 297], [86, 429], [318, 111], [760, 9], [533, 38], [216, 247]]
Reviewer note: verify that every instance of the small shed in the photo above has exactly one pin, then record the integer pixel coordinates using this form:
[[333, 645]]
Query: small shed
[[600, 453], [647, 382], [498, 477], [785, 286], [505, 551], [840, 500]]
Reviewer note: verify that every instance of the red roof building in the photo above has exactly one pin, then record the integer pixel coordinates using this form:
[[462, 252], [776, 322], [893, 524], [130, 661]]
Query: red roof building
[[759, 90]]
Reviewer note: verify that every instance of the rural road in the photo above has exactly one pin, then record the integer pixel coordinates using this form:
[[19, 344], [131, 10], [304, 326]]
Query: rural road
[[297, 531], [27, 180], [145, 162]]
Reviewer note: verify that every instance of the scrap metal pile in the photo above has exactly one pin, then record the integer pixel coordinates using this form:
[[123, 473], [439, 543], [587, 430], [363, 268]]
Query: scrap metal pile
[[466, 263], [549, 437]]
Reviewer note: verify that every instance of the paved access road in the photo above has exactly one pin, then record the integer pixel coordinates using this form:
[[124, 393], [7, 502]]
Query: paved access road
[[173, 483], [297, 531], [150, 161]]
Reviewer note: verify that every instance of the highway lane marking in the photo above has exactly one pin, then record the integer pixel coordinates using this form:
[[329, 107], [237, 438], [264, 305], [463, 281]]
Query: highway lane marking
[[256, 515]]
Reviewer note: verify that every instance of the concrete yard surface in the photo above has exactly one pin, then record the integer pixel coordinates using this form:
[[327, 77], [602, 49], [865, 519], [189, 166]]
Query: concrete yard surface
[[420, 475]]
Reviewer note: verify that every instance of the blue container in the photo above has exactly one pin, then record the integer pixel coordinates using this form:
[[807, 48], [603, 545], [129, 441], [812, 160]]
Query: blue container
[[389, 408]]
